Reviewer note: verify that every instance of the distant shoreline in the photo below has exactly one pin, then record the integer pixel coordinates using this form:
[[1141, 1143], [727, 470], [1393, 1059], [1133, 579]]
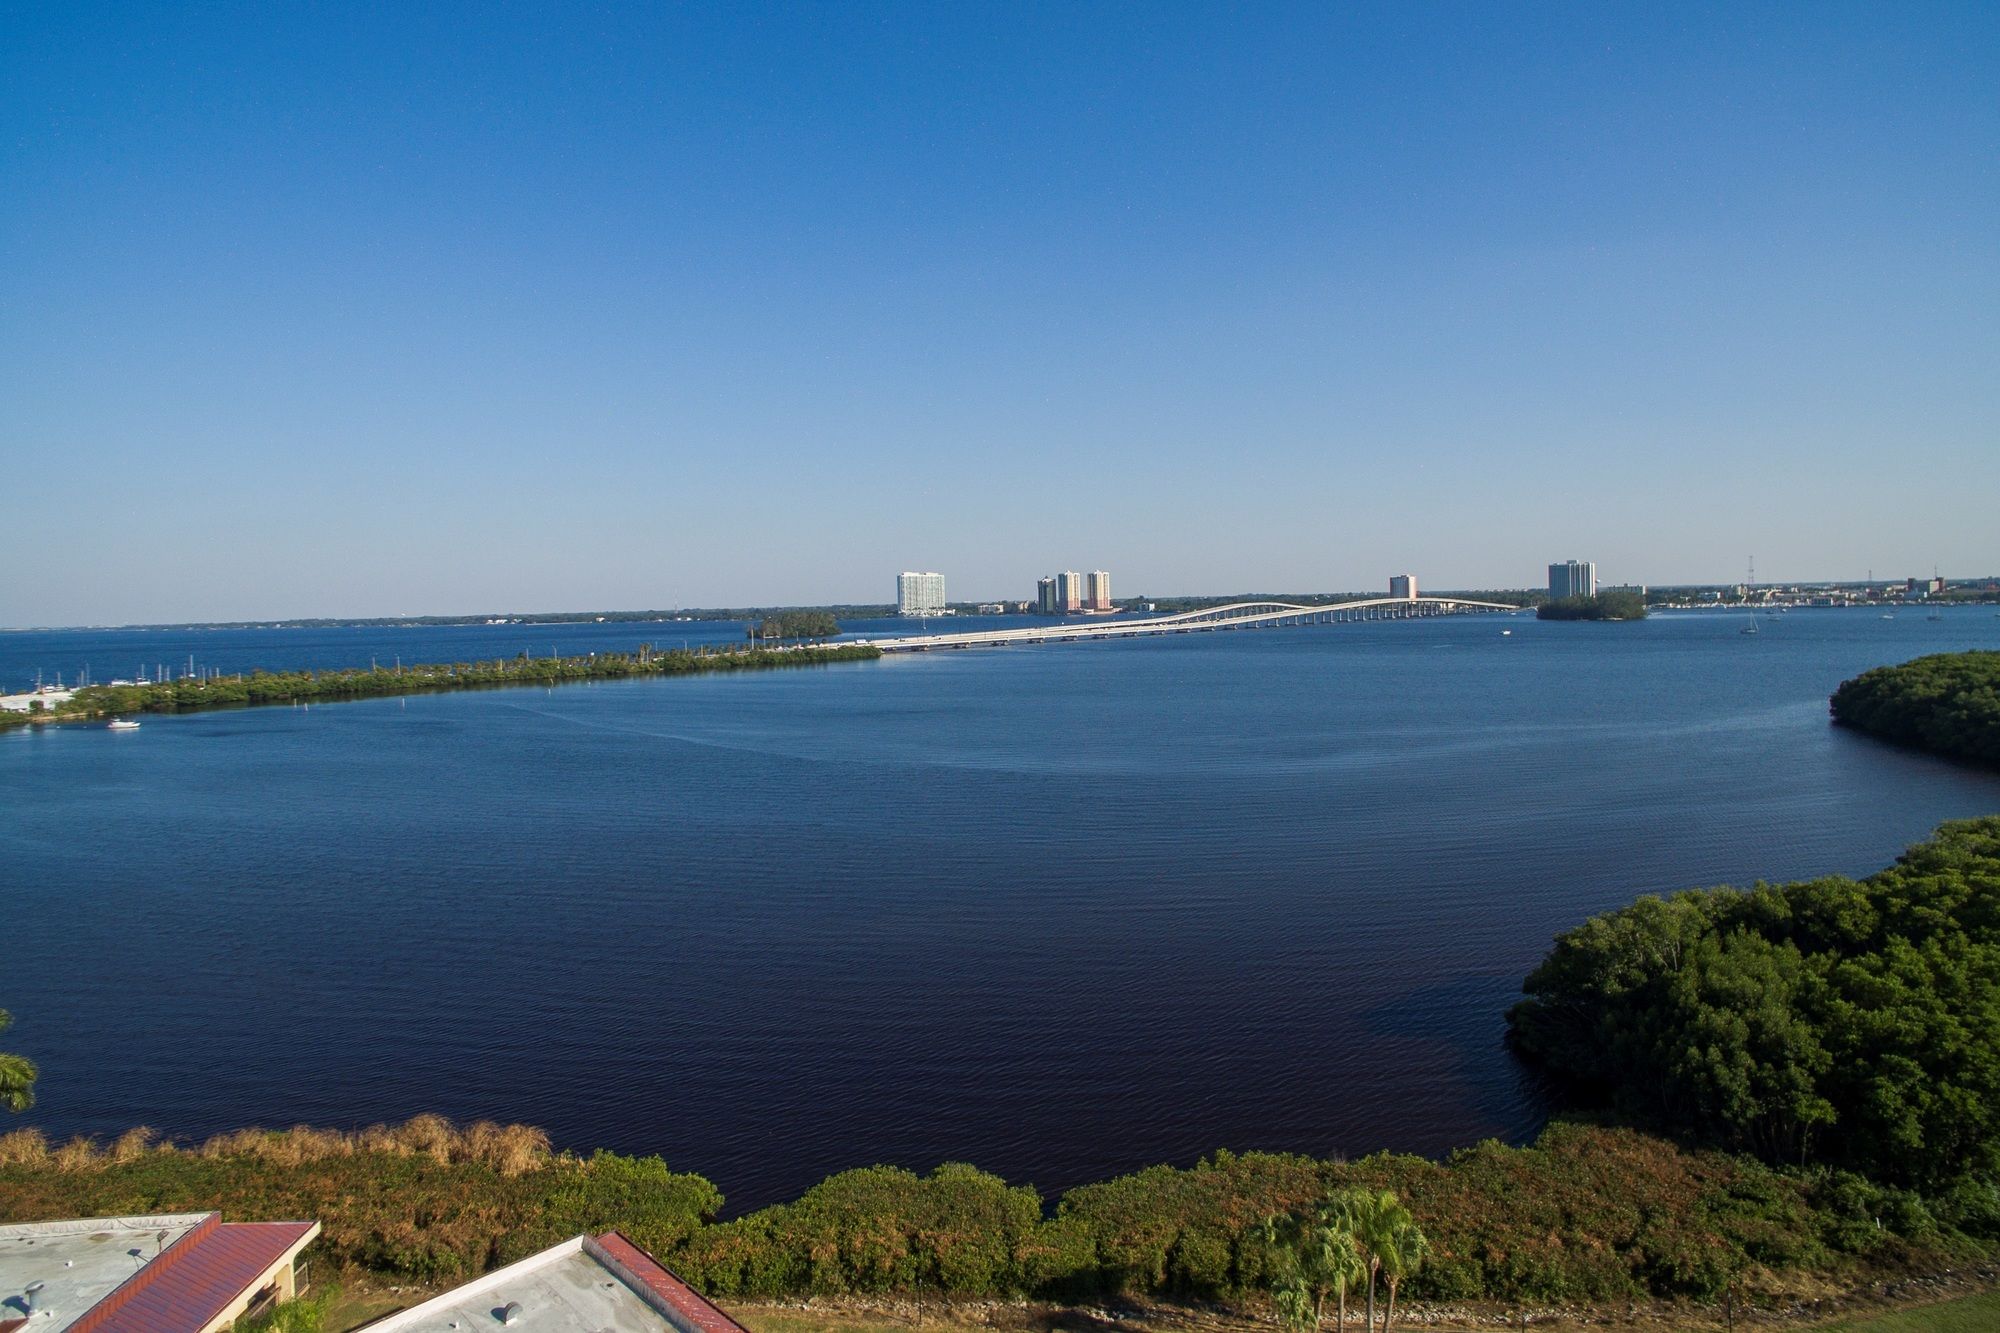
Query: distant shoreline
[[263, 689], [1880, 592]]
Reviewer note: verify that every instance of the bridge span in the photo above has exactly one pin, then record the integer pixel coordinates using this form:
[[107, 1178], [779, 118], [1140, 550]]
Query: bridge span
[[1233, 615]]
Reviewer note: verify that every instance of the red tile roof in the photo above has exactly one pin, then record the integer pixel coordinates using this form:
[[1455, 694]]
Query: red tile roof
[[650, 1273], [194, 1279]]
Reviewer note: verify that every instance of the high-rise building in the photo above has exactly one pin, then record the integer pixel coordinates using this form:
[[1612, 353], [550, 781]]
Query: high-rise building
[[1045, 597], [919, 594], [1573, 578], [1097, 591], [1069, 592], [1403, 586]]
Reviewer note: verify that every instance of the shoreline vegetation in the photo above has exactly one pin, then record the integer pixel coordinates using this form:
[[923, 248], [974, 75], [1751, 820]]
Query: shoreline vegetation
[[1618, 605], [1946, 704], [259, 688], [1786, 1092], [1585, 1214]]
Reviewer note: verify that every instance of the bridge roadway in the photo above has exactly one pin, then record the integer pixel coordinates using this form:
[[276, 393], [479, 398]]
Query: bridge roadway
[[1234, 615]]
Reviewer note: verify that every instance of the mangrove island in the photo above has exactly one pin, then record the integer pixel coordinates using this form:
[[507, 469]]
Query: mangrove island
[[1615, 605]]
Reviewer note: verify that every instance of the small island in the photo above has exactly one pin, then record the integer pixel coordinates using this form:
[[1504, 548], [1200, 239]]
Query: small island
[[1947, 704], [783, 626], [1614, 605]]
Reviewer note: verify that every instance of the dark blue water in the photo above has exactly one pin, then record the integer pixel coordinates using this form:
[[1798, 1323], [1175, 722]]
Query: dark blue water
[[1058, 911]]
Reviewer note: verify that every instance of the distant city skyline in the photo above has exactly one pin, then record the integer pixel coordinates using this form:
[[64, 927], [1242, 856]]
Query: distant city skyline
[[1048, 598], [714, 306]]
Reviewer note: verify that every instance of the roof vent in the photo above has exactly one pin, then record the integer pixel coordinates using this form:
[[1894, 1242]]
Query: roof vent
[[34, 1290], [511, 1313]]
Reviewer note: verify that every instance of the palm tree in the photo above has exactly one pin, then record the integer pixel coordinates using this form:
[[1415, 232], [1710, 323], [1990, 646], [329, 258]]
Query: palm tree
[[17, 1075], [1389, 1239], [1402, 1255], [1314, 1256]]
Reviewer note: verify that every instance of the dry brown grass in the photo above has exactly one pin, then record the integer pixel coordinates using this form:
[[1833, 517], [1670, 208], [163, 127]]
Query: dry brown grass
[[79, 1154], [429, 1136], [133, 1144], [511, 1150], [24, 1147]]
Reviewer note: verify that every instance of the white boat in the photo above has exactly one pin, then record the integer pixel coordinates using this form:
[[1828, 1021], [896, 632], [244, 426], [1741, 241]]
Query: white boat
[[120, 724]]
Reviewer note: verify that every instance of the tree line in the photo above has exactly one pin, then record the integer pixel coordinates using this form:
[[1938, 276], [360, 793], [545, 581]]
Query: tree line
[[287, 687], [1617, 604], [788, 625]]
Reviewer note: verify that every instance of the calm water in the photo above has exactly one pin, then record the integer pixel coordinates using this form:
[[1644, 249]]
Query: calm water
[[1059, 911]]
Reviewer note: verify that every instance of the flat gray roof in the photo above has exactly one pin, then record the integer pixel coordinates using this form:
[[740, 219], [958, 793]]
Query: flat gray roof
[[564, 1289], [79, 1262]]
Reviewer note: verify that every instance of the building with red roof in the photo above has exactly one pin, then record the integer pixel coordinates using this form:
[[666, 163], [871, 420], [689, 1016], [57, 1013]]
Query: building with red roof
[[166, 1273]]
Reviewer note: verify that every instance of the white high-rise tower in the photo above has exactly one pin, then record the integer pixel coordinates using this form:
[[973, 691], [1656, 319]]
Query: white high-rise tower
[[919, 594]]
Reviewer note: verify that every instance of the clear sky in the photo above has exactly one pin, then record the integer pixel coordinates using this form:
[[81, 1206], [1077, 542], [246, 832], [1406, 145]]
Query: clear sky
[[329, 309]]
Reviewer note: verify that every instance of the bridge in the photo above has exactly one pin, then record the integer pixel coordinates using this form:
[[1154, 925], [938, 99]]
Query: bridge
[[1233, 615]]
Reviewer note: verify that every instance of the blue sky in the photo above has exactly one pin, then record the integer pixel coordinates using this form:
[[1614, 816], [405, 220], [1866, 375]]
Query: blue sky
[[326, 309]]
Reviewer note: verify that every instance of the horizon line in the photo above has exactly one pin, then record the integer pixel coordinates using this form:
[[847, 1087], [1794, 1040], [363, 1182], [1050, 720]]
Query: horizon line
[[637, 615]]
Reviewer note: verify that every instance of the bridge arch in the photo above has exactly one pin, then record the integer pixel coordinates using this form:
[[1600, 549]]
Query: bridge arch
[[1228, 615]]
